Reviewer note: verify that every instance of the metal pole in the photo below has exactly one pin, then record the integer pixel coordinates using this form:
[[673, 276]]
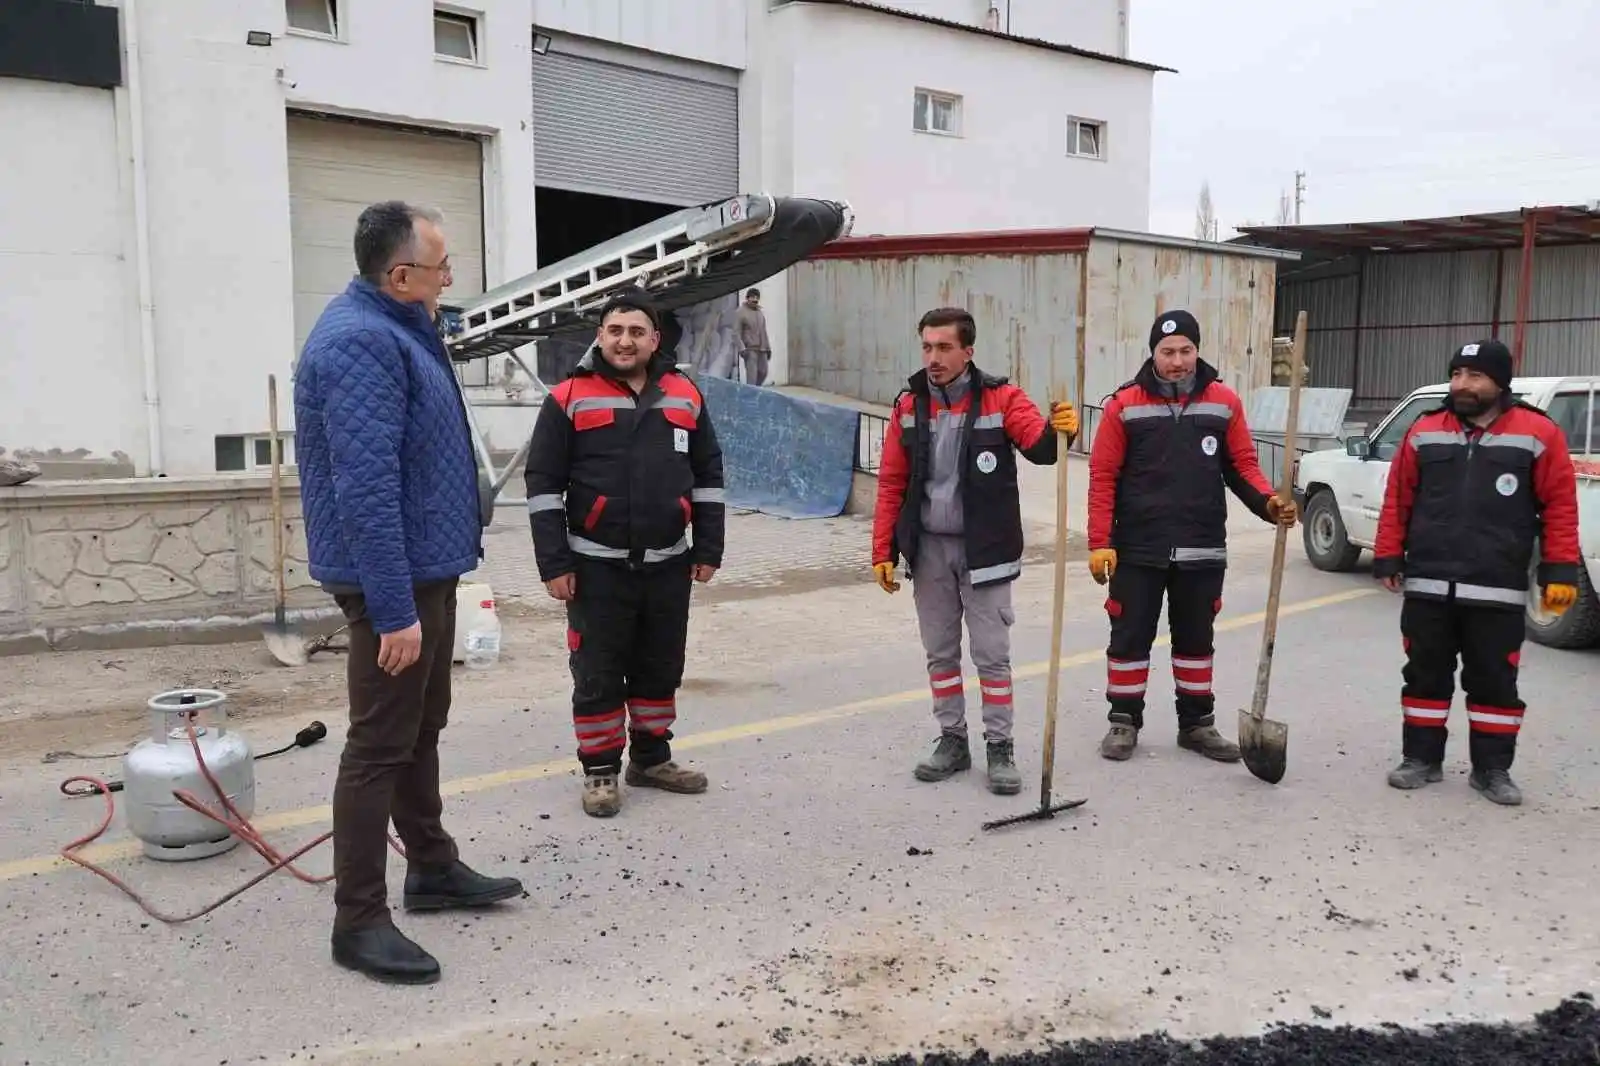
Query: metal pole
[[1530, 229]]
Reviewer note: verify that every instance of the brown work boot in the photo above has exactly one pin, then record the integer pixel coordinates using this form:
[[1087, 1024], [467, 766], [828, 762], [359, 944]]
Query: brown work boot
[[667, 776], [1119, 741], [601, 797], [1208, 742]]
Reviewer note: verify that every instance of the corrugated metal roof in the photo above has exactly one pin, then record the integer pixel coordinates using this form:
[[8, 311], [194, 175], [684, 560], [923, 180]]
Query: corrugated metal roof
[[1032, 42], [1022, 242], [1574, 224]]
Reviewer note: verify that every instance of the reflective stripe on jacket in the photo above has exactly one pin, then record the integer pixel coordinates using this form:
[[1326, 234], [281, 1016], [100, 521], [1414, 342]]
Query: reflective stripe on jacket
[[1464, 505], [1158, 468], [989, 420], [635, 479]]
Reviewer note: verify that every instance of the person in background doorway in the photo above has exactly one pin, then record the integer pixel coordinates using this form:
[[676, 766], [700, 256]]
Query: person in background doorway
[[625, 501], [1471, 488], [1168, 443], [394, 515], [948, 504], [754, 348]]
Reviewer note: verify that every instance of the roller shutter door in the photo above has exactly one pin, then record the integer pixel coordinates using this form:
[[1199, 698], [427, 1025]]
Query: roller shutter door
[[589, 114], [337, 168]]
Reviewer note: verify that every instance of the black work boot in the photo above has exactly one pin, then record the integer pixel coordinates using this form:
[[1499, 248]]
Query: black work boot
[[384, 954], [1208, 742], [1492, 755], [1496, 786], [1120, 739], [950, 755], [1414, 773], [456, 885], [1004, 778]]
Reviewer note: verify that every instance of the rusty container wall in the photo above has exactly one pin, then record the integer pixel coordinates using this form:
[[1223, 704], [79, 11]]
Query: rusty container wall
[[1134, 278], [852, 322]]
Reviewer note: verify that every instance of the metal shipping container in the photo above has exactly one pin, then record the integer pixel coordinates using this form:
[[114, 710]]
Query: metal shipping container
[[1059, 312]]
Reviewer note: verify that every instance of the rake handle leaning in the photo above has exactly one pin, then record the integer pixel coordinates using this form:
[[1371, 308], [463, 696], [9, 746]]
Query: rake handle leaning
[[1269, 629], [1053, 686], [277, 492]]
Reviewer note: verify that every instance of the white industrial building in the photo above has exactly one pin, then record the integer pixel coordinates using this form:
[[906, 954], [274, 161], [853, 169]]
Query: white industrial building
[[185, 174]]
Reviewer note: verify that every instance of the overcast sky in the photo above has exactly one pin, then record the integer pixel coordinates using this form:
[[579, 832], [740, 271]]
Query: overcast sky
[[1404, 109]]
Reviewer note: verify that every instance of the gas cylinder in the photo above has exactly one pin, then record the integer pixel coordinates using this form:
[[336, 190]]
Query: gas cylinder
[[165, 762]]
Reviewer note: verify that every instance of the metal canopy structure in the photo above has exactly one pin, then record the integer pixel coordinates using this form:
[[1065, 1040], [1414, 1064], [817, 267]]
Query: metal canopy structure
[[1578, 224], [1524, 229]]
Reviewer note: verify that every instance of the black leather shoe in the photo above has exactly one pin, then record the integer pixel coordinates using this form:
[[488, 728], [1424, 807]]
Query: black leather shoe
[[456, 886], [384, 954]]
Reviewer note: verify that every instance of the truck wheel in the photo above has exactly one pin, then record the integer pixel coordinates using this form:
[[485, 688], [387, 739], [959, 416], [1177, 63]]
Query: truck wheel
[[1326, 544], [1578, 628]]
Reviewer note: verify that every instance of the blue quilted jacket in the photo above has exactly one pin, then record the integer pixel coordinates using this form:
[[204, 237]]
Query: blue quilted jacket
[[389, 485]]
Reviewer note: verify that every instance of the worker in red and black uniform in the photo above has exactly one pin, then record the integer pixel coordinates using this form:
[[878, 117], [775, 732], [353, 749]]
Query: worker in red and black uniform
[[625, 497], [1168, 443], [948, 505], [1471, 488]]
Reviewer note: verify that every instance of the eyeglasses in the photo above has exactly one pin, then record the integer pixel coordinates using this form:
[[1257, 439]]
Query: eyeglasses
[[443, 266]]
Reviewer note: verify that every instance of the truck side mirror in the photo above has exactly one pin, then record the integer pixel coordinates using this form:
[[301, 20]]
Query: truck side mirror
[[1358, 447]]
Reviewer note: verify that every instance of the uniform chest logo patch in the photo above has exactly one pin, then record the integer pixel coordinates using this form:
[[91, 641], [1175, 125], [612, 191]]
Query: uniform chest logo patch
[[1209, 445], [680, 440], [1506, 484], [987, 462]]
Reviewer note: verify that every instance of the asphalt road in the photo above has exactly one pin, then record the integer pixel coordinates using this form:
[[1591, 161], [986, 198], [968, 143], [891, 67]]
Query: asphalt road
[[818, 902]]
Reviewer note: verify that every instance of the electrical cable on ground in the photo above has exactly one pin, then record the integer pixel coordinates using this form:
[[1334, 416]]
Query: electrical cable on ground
[[229, 817]]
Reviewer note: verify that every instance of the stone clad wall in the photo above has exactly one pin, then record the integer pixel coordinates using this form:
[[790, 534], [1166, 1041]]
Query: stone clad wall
[[81, 558]]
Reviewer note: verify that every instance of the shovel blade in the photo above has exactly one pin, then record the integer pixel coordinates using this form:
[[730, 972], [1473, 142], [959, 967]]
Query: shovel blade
[[285, 643], [1264, 744]]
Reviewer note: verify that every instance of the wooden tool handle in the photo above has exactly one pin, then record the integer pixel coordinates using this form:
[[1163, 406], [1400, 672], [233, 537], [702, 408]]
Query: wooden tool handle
[[1053, 688], [1269, 629], [277, 489]]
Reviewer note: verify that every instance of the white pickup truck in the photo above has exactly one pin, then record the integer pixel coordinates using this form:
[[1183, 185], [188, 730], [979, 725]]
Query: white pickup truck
[[1341, 493]]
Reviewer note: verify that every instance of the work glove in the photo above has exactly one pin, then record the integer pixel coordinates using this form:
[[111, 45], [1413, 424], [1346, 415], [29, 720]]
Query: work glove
[[1282, 510], [884, 572], [1557, 598], [1102, 564], [1064, 419]]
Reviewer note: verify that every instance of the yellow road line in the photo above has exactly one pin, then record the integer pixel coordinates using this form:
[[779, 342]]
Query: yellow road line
[[323, 814]]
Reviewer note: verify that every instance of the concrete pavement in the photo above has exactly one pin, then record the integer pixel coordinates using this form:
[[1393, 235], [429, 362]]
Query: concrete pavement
[[819, 901]]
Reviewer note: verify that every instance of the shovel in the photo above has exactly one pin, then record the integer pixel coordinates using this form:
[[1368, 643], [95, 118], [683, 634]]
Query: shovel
[[1263, 742], [1053, 691], [284, 641]]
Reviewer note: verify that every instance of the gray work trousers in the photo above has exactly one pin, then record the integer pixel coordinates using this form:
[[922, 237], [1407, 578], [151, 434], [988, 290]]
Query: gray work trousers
[[755, 365], [944, 595]]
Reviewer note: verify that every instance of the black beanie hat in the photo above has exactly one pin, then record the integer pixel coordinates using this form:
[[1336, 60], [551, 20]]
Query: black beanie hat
[[1181, 323], [1490, 358]]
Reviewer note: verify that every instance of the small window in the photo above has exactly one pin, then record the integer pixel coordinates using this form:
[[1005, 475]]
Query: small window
[[455, 36], [1086, 138], [320, 17], [252, 453], [1570, 411], [936, 113]]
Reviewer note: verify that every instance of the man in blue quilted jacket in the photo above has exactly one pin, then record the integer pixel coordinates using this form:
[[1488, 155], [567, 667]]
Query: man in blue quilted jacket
[[394, 509]]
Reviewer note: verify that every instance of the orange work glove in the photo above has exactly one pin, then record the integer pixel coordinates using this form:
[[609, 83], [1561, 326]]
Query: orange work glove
[[1064, 419], [1283, 510], [1102, 564], [884, 572], [1557, 598]]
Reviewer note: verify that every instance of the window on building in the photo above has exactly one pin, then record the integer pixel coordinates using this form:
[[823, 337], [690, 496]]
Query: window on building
[[455, 36], [245, 452], [1086, 137], [935, 112], [313, 16]]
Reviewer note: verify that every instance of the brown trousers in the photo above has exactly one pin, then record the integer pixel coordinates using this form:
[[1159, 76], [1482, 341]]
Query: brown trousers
[[390, 764]]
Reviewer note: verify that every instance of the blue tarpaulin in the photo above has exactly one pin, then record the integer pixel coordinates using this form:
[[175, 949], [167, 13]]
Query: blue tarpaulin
[[782, 455]]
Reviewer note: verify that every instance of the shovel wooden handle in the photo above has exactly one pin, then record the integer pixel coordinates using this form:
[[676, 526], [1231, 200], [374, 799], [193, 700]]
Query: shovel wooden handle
[[1269, 629], [277, 490], [1053, 686]]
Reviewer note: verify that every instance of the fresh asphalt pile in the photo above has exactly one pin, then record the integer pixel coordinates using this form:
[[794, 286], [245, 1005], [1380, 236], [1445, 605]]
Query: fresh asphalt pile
[[1568, 1035]]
